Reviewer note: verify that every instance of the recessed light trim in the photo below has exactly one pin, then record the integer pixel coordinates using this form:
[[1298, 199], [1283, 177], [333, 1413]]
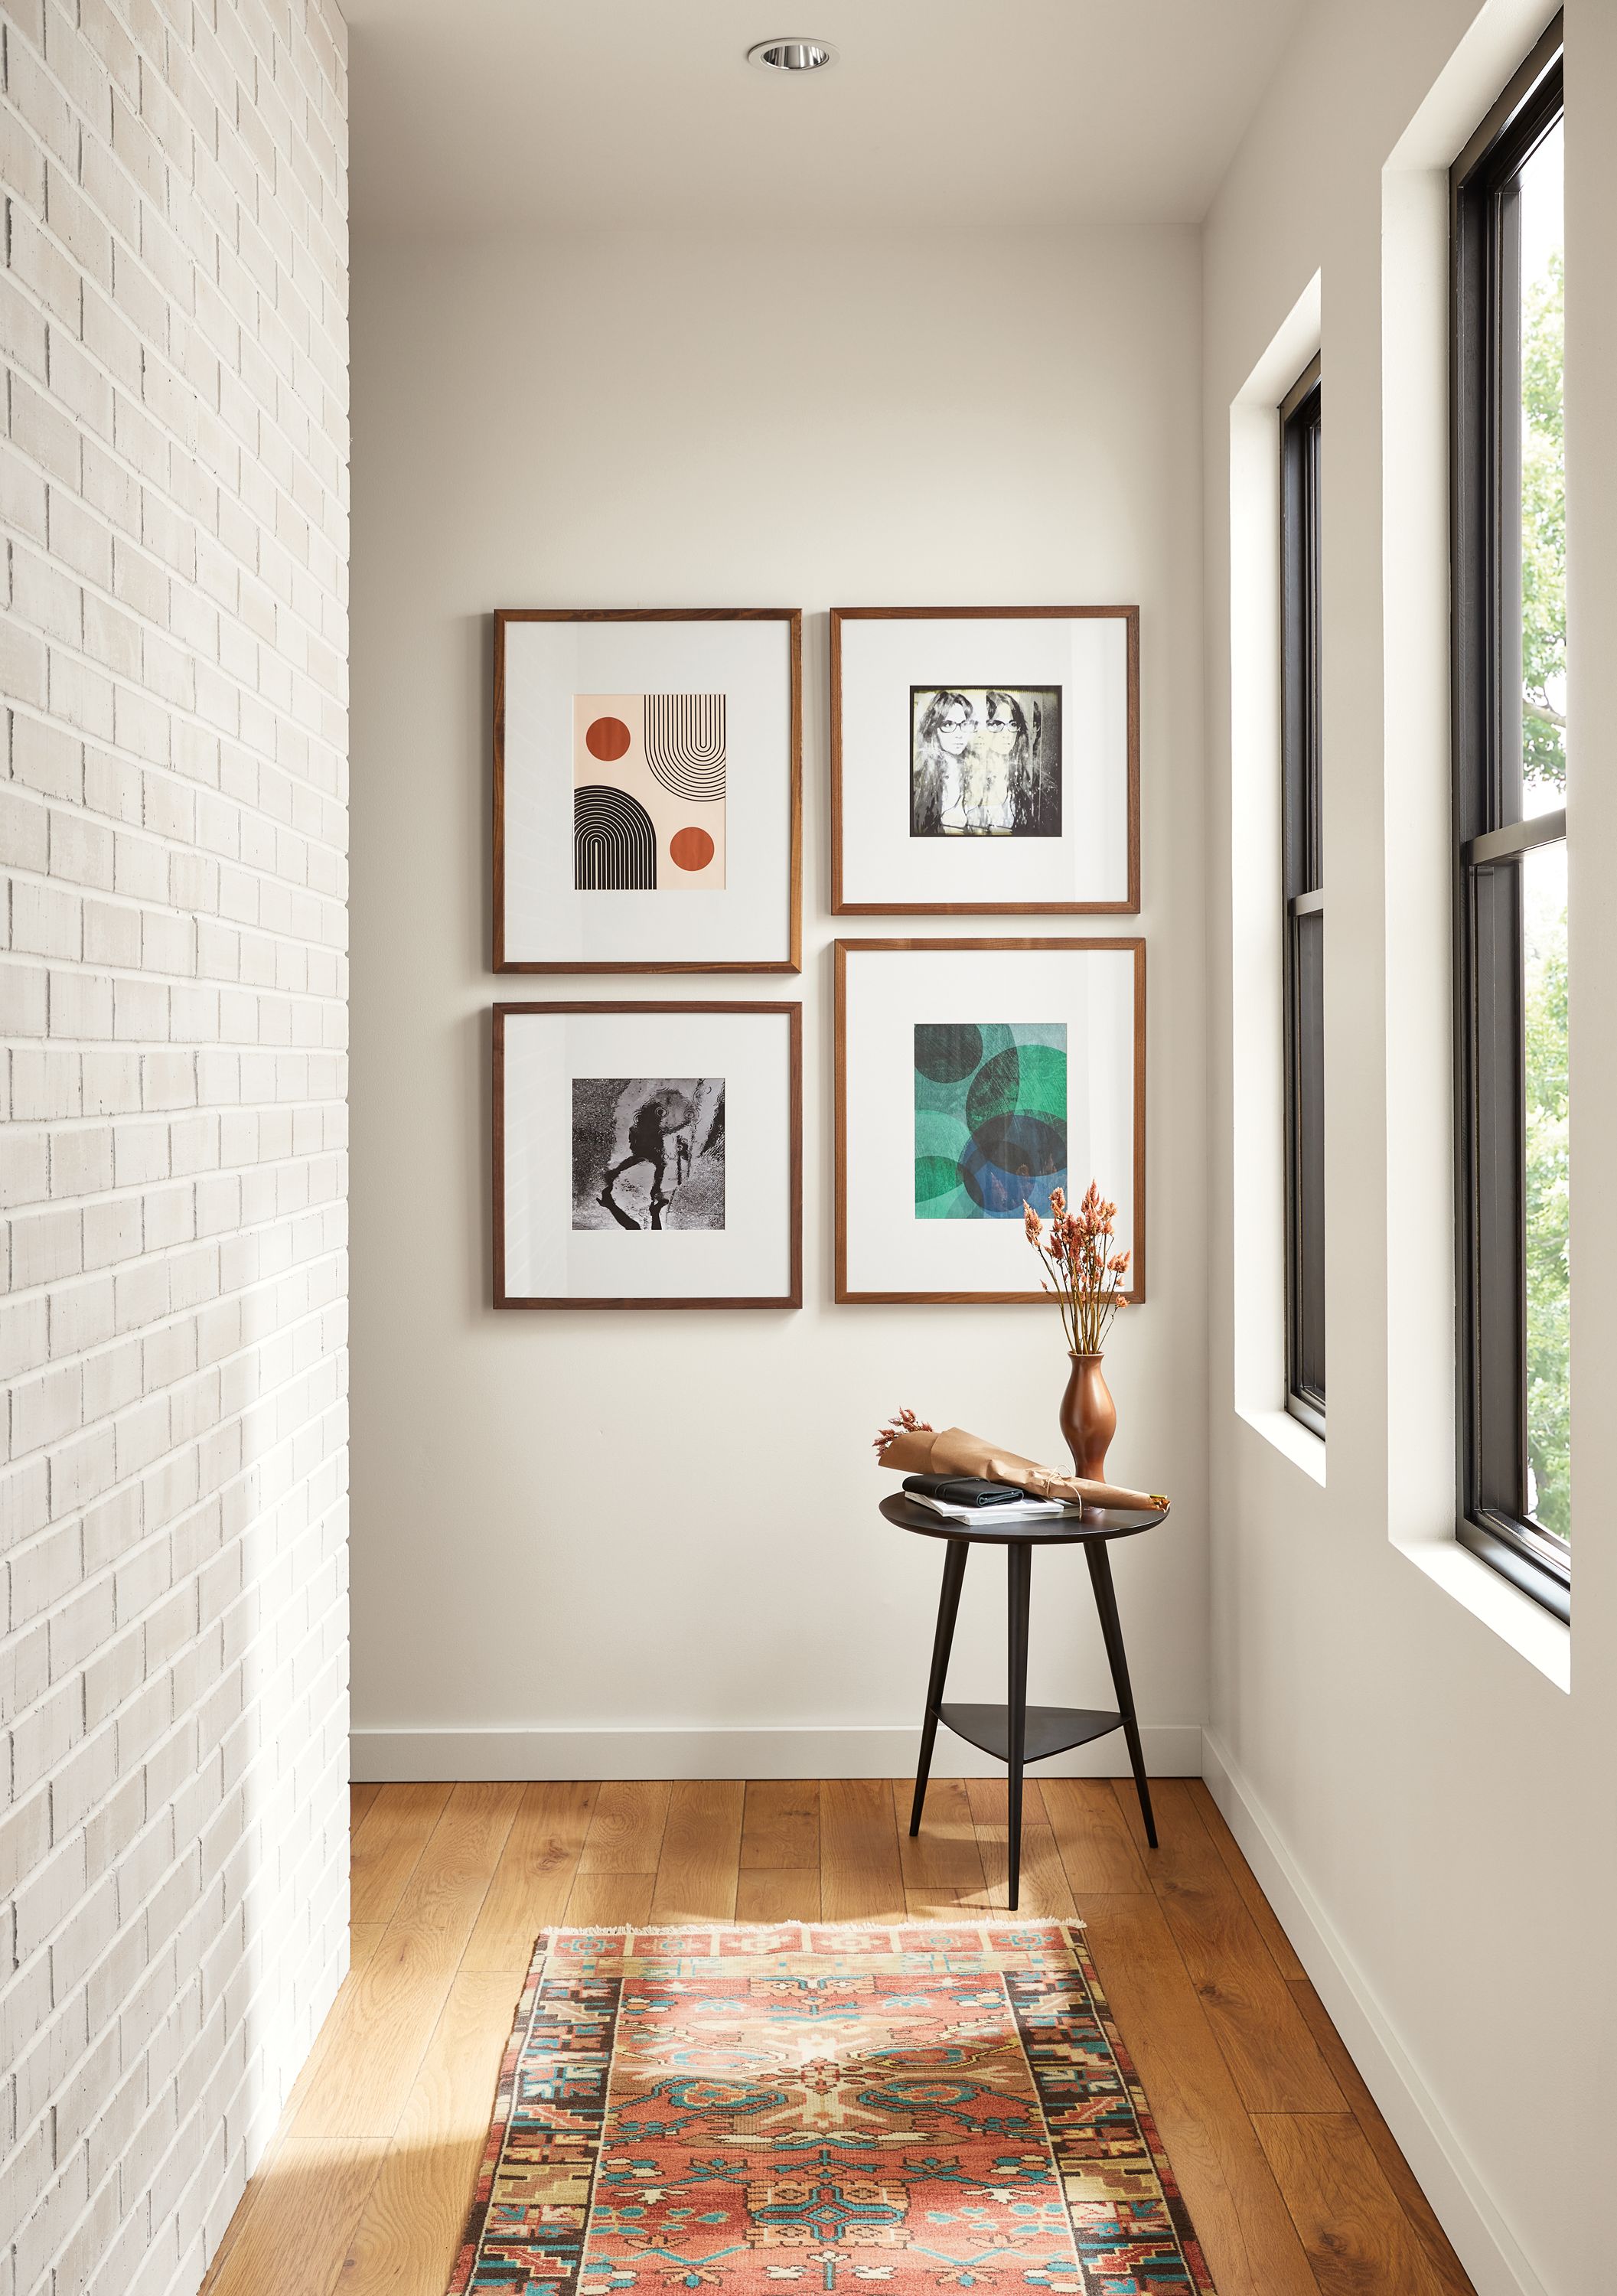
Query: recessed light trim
[[791, 54]]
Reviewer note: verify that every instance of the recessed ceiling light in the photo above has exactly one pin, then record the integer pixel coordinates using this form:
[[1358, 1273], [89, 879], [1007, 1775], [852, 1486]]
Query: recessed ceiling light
[[792, 56]]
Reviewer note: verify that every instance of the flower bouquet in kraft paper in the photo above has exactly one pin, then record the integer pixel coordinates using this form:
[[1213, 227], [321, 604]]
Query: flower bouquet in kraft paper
[[908, 1445]]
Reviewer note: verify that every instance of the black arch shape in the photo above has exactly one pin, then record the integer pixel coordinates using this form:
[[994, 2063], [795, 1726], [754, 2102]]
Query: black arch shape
[[614, 844]]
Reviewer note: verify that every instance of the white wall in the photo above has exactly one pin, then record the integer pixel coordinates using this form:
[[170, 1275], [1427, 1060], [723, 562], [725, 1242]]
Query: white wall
[[649, 1544], [173, 484], [1427, 1801]]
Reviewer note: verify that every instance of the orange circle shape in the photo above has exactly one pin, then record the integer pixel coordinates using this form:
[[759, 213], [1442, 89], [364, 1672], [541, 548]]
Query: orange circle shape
[[607, 738], [690, 849]]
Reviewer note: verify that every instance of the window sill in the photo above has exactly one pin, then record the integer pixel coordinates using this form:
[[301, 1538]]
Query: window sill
[[1542, 1639], [1291, 1438]]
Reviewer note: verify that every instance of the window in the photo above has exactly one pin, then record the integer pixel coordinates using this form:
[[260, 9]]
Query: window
[[1302, 891], [1510, 750]]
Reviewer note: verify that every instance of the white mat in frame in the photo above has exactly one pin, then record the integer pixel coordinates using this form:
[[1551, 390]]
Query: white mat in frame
[[647, 1155], [546, 659], [1087, 995], [1076, 667]]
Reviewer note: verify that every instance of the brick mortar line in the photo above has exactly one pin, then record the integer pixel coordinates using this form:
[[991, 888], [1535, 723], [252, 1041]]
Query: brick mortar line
[[133, 1191], [266, 1751], [26, 713], [79, 1358], [336, 496], [330, 284], [30, 713], [129, 1191], [131, 904], [261, 54], [268, 1627], [47, 1453], [266, 411], [121, 682]]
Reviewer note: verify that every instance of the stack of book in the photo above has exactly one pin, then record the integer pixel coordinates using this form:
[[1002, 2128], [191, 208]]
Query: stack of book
[[968, 1498]]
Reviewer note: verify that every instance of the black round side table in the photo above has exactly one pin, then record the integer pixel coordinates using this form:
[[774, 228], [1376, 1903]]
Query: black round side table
[[1015, 1733]]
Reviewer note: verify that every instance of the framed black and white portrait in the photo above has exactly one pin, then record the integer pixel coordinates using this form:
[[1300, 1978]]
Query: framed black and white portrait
[[647, 790], [647, 1155], [985, 760]]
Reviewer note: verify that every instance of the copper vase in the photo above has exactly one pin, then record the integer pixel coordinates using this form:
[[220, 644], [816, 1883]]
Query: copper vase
[[1089, 1417]]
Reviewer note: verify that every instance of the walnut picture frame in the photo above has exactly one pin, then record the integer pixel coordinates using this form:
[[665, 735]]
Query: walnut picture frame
[[972, 1077], [647, 790], [985, 760], [648, 1155]]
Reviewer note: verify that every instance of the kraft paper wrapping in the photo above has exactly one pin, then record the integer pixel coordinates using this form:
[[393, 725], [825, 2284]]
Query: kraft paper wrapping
[[952, 1451]]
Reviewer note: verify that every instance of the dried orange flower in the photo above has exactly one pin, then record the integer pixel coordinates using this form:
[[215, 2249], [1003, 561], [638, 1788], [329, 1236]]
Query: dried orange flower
[[1088, 1282]]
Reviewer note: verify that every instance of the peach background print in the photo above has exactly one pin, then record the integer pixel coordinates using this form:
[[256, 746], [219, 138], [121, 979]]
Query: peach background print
[[609, 751]]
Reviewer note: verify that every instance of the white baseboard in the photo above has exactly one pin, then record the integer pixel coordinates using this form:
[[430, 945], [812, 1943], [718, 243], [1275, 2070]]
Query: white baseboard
[[1172, 1751], [1447, 2176]]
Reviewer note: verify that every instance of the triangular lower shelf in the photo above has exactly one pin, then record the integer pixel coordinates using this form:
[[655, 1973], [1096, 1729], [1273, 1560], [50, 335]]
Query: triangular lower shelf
[[1051, 1729]]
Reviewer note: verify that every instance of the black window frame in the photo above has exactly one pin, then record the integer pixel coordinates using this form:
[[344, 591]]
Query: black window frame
[[1490, 836], [1303, 894]]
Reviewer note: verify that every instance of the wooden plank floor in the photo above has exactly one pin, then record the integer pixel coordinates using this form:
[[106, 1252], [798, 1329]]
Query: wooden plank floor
[[1295, 2181]]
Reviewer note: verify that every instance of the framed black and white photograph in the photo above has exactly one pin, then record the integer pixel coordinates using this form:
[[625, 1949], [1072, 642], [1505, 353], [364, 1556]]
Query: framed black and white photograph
[[974, 1079], [985, 760], [647, 1155], [647, 790]]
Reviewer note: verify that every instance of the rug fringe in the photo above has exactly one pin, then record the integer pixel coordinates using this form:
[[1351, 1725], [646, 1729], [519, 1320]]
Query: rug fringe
[[806, 1922]]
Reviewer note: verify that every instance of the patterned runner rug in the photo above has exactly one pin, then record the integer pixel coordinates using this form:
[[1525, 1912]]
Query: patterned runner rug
[[822, 2111]]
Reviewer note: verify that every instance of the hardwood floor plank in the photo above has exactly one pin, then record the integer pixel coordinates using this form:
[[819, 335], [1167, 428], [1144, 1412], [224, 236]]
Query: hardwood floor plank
[[987, 1796], [361, 2087], [1256, 1905], [386, 1842], [608, 1902], [1357, 2237], [364, 1938], [361, 1795], [1265, 2039], [296, 2235], [942, 1866], [1096, 1846], [860, 1877], [701, 1858], [780, 1831], [534, 1876], [626, 1830], [363, 1941], [1252, 2244], [1264, 2035], [1185, 1857], [406, 2240], [1451, 2274], [1045, 1889], [785, 1896]]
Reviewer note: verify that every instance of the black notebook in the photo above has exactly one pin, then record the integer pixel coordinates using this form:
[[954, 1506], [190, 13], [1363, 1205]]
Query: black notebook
[[963, 1490]]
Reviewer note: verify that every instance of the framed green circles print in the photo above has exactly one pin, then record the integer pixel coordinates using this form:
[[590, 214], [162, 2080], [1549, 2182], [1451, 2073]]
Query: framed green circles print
[[973, 1078]]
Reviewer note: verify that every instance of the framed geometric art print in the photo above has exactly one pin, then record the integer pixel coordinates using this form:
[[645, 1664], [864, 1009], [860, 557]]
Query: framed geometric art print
[[985, 760], [648, 1155], [974, 1078], [647, 790]]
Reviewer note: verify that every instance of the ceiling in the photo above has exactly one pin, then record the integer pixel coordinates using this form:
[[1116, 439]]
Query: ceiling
[[472, 115]]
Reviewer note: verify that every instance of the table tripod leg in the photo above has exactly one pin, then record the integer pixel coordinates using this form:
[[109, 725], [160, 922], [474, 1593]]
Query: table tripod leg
[[1105, 1603], [948, 1605], [1019, 1570]]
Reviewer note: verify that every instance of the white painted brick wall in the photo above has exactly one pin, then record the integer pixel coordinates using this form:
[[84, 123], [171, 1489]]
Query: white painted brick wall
[[172, 1000]]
